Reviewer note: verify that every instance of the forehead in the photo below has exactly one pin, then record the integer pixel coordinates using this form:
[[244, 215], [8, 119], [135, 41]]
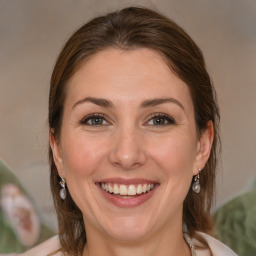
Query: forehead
[[122, 74]]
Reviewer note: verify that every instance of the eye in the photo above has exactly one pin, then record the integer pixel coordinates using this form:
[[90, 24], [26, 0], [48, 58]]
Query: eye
[[94, 120], [160, 120]]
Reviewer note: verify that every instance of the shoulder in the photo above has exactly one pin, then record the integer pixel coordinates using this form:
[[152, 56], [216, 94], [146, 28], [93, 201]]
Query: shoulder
[[49, 247], [217, 247]]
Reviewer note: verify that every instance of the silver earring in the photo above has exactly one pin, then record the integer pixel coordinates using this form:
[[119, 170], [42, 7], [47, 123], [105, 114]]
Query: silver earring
[[63, 191], [196, 185]]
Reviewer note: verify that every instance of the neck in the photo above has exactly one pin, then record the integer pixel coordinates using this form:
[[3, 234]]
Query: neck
[[161, 244]]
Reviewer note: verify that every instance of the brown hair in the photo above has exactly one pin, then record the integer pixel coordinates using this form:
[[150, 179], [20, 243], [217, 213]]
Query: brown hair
[[128, 29]]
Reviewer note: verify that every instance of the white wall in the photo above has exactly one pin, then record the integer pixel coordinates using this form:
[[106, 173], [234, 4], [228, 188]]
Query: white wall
[[32, 33]]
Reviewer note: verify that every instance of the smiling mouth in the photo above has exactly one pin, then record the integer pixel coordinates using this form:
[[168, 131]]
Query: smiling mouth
[[126, 191]]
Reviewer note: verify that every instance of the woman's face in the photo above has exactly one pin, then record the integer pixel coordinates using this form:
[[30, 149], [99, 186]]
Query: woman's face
[[128, 128]]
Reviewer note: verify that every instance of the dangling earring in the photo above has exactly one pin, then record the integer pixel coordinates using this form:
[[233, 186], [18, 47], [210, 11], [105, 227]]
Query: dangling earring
[[63, 191], [196, 186]]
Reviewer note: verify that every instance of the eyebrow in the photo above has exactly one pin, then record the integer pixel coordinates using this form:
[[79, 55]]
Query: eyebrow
[[155, 102], [98, 101], [147, 103]]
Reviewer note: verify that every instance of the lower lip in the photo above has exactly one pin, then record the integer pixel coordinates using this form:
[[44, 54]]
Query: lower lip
[[128, 202]]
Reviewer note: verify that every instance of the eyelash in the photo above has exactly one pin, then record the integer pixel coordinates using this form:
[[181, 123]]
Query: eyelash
[[94, 117], [160, 116], [100, 118]]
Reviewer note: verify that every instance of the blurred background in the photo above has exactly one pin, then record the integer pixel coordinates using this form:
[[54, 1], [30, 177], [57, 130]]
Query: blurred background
[[32, 33]]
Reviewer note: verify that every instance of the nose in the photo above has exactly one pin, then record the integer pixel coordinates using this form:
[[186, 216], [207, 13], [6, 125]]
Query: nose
[[128, 149]]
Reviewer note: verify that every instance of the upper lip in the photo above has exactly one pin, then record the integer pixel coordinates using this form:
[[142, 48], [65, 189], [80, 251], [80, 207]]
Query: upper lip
[[118, 180]]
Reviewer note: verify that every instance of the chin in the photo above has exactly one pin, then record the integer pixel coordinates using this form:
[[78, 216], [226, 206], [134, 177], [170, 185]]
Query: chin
[[129, 230], [128, 235]]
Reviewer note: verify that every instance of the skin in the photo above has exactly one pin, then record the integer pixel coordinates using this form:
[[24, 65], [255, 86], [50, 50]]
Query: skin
[[128, 144]]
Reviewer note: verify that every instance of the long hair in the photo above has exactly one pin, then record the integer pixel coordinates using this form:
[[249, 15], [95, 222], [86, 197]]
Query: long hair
[[127, 29]]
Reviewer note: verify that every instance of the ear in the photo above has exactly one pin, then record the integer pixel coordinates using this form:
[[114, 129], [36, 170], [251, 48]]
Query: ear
[[57, 153], [204, 148]]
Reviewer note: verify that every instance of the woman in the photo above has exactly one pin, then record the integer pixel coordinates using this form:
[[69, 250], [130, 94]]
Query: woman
[[133, 134]]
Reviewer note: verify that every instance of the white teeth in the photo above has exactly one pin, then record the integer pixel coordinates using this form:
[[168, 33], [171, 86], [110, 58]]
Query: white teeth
[[131, 190], [124, 190], [139, 189], [110, 189], [116, 189]]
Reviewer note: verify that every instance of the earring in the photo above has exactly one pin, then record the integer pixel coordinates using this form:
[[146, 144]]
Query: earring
[[63, 191], [196, 186]]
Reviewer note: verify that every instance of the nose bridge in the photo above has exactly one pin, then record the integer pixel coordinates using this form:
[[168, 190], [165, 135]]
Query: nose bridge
[[127, 151]]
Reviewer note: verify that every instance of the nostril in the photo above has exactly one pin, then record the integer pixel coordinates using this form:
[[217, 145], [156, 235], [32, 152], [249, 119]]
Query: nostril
[[127, 162], [126, 165]]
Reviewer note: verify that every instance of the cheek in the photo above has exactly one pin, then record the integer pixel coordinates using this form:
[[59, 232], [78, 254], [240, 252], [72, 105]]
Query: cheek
[[174, 153], [175, 162], [82, 154]]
